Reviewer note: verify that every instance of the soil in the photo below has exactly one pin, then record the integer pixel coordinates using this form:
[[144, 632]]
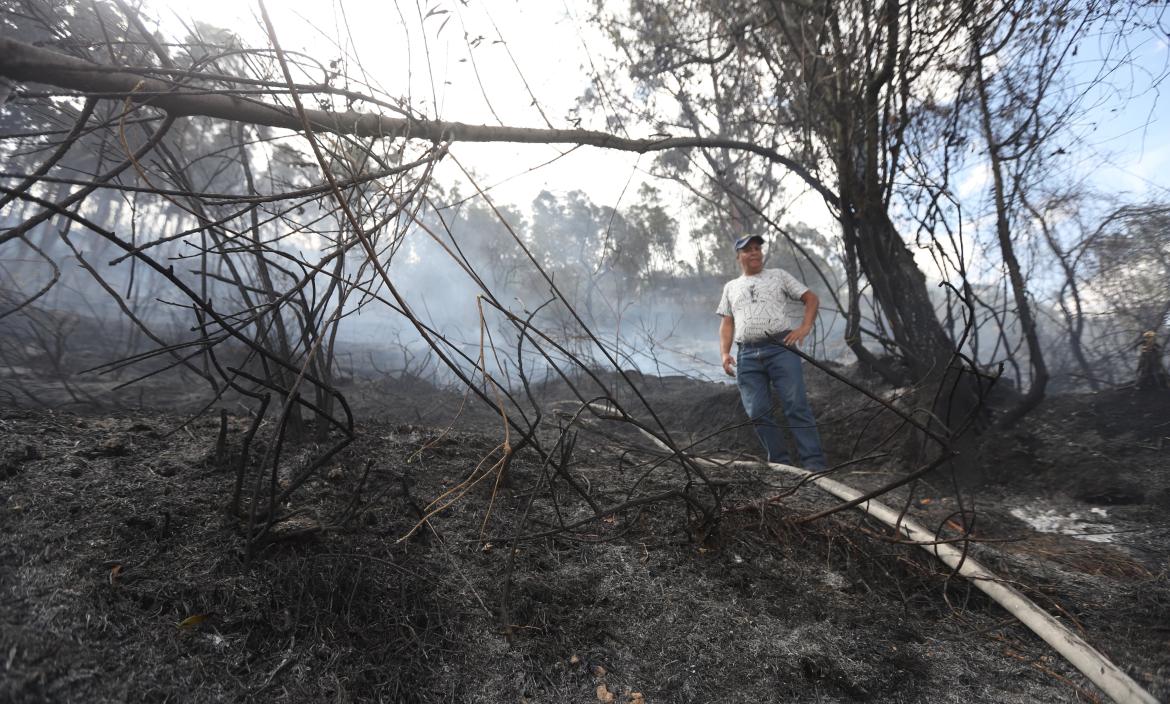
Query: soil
[[122, 576]]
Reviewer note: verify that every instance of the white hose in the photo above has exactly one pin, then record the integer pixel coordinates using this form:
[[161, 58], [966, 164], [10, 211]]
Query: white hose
[[1098, 668], [1103, 673]]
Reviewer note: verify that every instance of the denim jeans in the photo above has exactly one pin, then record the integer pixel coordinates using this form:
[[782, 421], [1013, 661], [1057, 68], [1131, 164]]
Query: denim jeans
[[760, 366]]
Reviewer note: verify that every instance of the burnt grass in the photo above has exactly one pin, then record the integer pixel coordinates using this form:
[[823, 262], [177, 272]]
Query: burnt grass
[[122, 578]]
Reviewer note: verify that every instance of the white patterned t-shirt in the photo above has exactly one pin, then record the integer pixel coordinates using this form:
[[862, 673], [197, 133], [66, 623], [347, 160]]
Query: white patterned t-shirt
[[764, 304]]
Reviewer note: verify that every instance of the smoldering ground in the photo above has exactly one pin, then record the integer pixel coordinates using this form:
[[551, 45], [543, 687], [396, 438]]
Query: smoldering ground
[[125, 579]]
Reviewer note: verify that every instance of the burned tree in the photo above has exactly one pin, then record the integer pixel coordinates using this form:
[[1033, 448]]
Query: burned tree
[[888, 106], [264, 315]]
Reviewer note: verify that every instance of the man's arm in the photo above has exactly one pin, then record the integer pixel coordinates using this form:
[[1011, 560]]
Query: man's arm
[[811, 304], [726, 335]]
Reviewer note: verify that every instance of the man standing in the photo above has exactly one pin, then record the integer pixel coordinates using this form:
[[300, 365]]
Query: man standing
[[767, 311]]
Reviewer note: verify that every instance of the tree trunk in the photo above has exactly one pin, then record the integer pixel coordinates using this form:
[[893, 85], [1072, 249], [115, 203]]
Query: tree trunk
[[1039, 380]]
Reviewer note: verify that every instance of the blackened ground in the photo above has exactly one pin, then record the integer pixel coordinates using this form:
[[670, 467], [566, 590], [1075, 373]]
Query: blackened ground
[[121, 577]]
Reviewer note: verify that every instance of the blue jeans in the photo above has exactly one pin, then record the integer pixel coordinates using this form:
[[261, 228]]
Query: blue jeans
[[759, 366]]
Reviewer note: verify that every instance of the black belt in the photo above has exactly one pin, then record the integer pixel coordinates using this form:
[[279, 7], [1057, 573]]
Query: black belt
[[776, 338]]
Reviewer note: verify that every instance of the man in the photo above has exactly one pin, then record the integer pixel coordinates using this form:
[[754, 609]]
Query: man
[[1151, 374], [767, 311]]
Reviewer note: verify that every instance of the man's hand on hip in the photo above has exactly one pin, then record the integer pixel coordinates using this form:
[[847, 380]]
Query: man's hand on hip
[[795, 337], [728, 364]]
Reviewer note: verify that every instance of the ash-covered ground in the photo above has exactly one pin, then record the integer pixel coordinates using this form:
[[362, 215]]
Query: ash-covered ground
[[122, 577]]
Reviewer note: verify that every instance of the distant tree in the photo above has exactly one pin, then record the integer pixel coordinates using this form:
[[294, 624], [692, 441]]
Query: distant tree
[[1056, 213], [641, 238], [483, 240], [566, 230], [1128, 267]]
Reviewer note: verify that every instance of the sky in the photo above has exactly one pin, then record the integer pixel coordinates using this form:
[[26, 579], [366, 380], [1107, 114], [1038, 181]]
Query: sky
[[550, 42], [548, 52], [534, 62]]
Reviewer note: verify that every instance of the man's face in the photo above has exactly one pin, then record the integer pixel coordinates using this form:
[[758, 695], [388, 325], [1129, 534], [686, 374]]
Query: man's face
[[751, 258]]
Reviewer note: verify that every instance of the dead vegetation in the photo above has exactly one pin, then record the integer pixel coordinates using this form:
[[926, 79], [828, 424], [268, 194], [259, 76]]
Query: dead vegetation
[[515, 538], [124, 579]]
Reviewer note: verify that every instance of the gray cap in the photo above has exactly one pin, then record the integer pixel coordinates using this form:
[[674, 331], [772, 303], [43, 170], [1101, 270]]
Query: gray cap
[[743, 241]]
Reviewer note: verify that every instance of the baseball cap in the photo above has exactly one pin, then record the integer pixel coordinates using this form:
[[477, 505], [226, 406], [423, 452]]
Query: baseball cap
[[743, 241]]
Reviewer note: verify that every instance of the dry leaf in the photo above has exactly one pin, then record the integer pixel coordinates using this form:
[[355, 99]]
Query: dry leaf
[[603, 694], [192, 621], [575, 659], [637, 698]]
